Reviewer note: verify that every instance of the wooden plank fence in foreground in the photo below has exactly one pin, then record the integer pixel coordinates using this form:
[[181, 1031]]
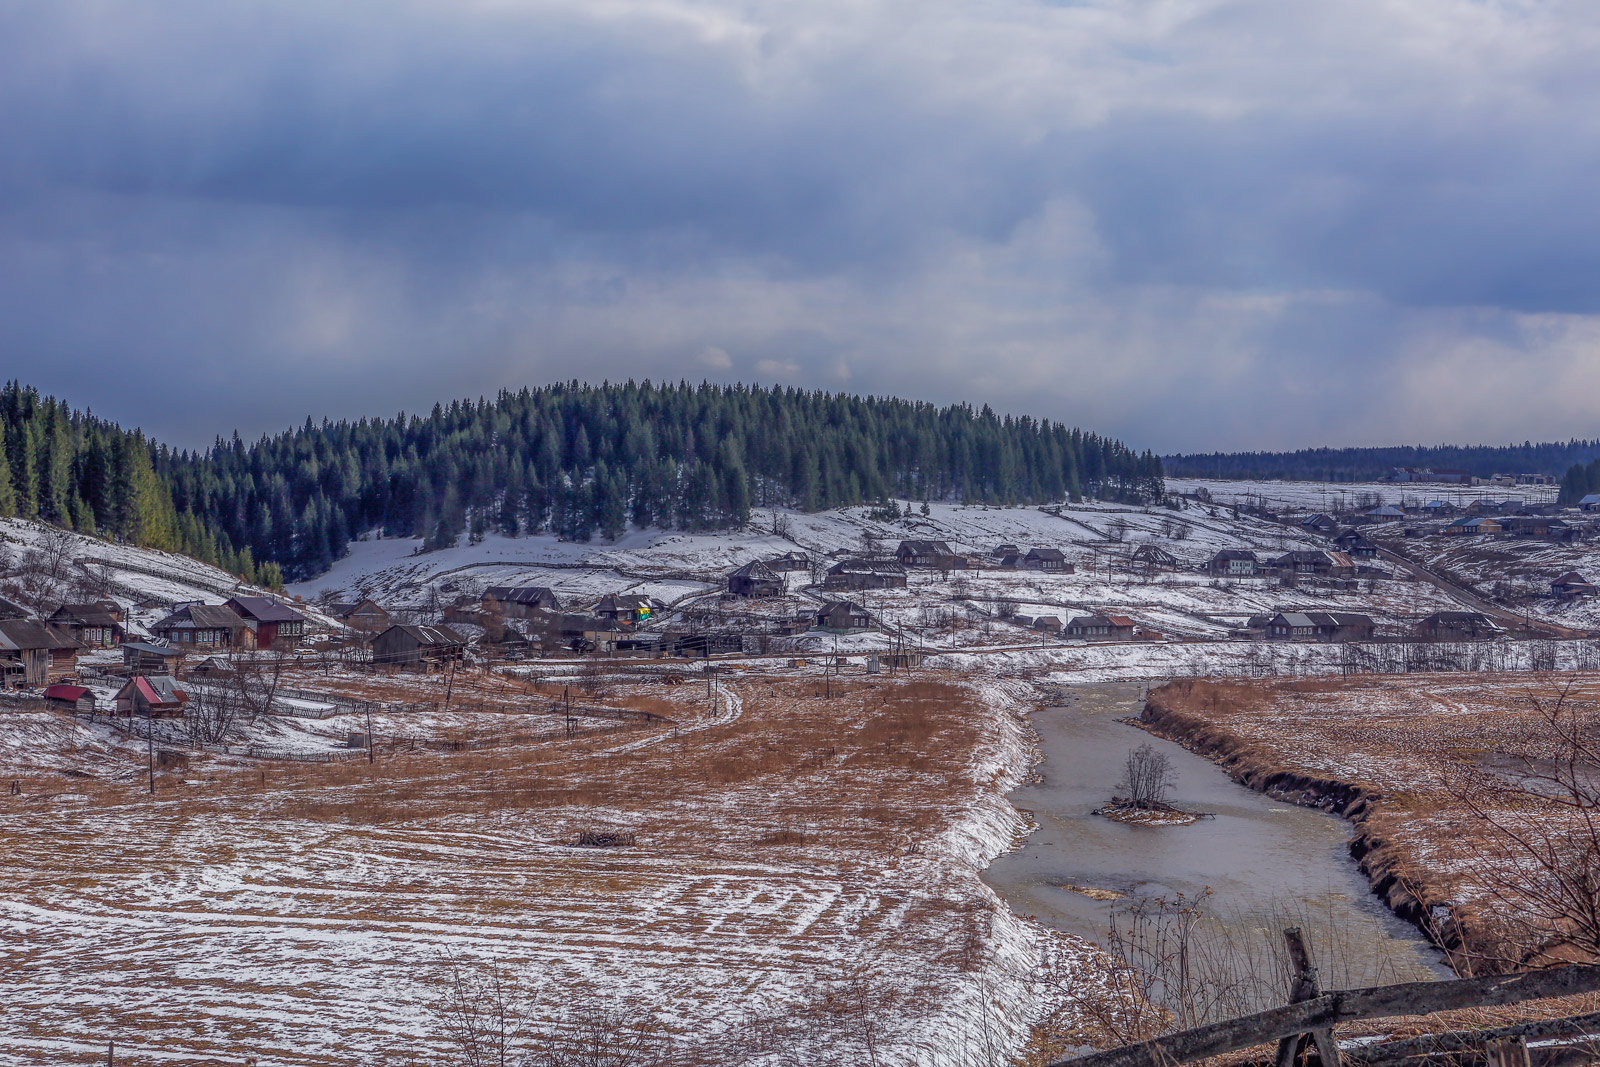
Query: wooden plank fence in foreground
[[1309, 1020]]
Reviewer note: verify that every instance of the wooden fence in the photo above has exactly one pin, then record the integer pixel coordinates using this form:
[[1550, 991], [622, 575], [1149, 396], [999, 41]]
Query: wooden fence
[[1306, 1024]]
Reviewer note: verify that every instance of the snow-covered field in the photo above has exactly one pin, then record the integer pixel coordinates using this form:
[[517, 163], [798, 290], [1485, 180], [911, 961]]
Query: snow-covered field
[[796, 850]]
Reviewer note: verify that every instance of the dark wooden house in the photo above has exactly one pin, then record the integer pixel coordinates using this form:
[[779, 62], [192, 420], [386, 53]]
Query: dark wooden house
[[1457, 626], [418, 646], [626, 609], [276, 624], [865, 574], [1052, 560], [1320, 626], [1571, 584], [364, 616], [96, 625], [922, 553], [520, 602], [755, 579], [1355, 545], [144, 657], [844, 617], [206, 626], [34, 654], [1101, 627], [789, 561], [1320, 523]]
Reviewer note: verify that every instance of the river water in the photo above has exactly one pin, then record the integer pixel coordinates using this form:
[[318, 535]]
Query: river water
[[1267, 863]]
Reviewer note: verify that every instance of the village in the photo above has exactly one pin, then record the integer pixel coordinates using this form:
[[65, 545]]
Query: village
[[886, 653]]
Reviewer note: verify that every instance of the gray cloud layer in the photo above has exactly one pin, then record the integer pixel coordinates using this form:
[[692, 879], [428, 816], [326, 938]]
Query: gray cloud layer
[[1195, 223]]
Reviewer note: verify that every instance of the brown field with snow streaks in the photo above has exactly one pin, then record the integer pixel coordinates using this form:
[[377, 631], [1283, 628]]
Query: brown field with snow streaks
[[784, 848]]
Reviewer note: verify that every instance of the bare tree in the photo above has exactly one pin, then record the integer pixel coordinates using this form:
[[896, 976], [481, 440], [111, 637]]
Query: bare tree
[[1118, 529], [483, 1010], [1540, 808], [1147, 777], [1006, 609]]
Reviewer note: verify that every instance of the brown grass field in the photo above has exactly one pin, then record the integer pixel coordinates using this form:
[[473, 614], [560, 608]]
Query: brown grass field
[[1399, 754], [786, 848]]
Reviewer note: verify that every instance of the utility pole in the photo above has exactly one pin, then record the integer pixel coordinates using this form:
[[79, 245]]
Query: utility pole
[[150, 748], [371, 741]]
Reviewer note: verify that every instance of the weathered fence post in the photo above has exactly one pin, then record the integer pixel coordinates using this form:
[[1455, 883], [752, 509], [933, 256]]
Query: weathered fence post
[[1306, 987], [1508, 1052]]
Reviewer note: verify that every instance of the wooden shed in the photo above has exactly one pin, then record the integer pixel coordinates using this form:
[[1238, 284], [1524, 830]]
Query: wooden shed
[[73, 698]]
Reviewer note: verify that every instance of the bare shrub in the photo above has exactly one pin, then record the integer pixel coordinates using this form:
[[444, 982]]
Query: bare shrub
[[1147, 777], [1539, 803]]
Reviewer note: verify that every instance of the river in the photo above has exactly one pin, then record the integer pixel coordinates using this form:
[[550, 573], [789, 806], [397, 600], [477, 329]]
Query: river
[[1266, 862]]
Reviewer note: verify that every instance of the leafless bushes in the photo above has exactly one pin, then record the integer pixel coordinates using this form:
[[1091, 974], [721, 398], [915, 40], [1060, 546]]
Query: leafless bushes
[[241, 695], [1538, 801], [1147, 778]]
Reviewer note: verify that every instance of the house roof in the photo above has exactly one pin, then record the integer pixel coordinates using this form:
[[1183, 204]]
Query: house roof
[[25, 635], [925, 548], [204, 617], [1234, 553], [152, 650], [867, 566], [62, 691], [264, 609], [756, 569], [156, 689], [429, 636], [1474, 617], [1052, 555], [1571, 578], [12, 610], [522, 594], [1118, 621], [1592, 498], [101, 613], [833, 607]]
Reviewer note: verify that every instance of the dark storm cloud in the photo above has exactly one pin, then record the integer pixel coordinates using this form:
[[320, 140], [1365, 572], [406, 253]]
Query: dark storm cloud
[[1152, 219]]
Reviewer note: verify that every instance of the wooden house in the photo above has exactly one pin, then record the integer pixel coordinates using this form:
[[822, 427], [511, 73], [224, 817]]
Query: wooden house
[[1320, 626], [1320, 523], [626, 609], [364, 616], [755, 579], [865, 574], [844, 617], [1101, 627], [1052, 560], [1233, 563], [144, 657], [1571, 584], [96, 625], [206, 626], [1457, 626], [1476, 526], [1590, 502], [1011, 561], [577, 632], [1356, 545], [789, 561], [276, 624], [418, 646], [1315, 563], [153, 696], [73, 698], [34, 654], [1002, 551], [935, 554], [520, 602], [1049, 624], [1153, 558]]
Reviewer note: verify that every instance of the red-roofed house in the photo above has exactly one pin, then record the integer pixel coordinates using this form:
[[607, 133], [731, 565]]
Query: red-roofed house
[[151, 695]]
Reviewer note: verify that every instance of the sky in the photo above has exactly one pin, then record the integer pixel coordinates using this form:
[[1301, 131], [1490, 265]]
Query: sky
[[1193, 224]]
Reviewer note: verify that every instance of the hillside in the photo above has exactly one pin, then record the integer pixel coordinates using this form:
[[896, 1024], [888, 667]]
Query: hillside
[[579, 461]]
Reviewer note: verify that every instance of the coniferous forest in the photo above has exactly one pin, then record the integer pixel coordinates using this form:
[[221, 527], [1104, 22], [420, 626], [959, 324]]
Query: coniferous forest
[[576, 460]]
